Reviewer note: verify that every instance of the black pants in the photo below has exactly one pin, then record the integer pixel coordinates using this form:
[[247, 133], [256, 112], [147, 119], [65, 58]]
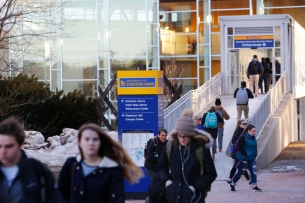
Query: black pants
[[233, 171]]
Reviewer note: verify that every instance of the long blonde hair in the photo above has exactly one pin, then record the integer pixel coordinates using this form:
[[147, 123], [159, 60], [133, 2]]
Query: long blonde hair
[[114, 151], [238, 124]]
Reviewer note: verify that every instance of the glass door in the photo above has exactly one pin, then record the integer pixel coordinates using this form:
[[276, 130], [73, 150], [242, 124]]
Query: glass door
[[233, 71]]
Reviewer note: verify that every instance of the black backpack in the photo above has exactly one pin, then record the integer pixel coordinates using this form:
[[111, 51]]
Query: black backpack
[[254, 69], [147, 143]]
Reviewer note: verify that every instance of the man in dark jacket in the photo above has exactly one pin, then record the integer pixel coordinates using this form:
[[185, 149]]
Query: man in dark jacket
[[154, 150], [22, 179], [242, 96], [253, 72]]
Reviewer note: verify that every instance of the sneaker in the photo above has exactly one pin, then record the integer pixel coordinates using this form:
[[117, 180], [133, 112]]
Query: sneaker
[[229, 182], [232, 188], [256, 189], [250, 183]]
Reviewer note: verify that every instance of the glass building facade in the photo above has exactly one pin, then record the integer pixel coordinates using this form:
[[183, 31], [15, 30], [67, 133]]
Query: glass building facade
[[99, 37]]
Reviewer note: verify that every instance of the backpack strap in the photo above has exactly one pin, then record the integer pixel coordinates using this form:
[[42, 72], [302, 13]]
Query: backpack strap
[[155, 139], [199, 155], [38, 170], [200, 158], [169, 146]]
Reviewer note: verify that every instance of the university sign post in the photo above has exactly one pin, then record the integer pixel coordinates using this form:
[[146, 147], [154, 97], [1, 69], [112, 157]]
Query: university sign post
[[140, 115]]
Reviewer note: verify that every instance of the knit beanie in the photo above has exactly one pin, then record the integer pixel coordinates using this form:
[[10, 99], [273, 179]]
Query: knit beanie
[[217, 102], [185, 124]]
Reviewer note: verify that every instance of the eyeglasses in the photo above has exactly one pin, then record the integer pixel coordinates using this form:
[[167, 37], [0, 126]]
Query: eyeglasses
[[244, 123], [183, 137]]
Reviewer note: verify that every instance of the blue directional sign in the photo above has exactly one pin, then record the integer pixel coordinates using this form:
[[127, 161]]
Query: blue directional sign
[[141, 112], [267, 43], [253, 42]]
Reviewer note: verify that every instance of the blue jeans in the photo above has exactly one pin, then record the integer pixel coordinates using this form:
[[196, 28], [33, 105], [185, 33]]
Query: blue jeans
[[220, 137], [263, 78], [242, 168]]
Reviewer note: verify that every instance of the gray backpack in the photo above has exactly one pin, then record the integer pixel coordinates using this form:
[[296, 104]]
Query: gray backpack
[[242, 96]]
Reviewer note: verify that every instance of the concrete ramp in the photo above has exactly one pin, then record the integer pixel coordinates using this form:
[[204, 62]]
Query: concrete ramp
[[224, 163]]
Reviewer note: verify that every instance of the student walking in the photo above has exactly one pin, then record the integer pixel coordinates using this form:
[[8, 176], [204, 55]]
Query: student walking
[[97, 173], [154, 150], [220, 126], [253, 72], [210, 121], [242, 96], [188, 157], [240, 129], [22, 179], [197, 121], [246, 158]]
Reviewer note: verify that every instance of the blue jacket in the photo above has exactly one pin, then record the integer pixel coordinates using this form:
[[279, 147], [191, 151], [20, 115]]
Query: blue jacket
[[247, 148], [199, 127], [259, 71], [105, 184]]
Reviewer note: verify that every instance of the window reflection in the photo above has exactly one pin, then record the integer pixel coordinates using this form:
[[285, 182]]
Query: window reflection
[[128, 46], [79, 47], [40, 69], [88, 88], [185, 67], [126, 64], [78, 69]]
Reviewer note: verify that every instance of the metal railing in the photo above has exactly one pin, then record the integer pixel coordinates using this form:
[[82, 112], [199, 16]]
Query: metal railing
[[196, 99], [269, 104]]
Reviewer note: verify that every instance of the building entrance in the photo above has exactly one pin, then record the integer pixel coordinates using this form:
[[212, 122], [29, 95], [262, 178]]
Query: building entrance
[[239, 60]]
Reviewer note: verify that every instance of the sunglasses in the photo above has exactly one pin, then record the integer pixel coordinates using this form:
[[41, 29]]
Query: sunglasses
[[244, 123]]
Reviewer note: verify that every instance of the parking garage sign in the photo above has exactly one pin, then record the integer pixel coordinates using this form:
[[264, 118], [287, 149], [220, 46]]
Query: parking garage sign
[[256, 42]]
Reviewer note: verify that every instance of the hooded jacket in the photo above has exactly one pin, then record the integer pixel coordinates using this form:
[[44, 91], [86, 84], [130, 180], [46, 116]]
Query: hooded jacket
[[224, 114], [179, 191], [237, 134], [26, 187], [153, 154], [105, 184]]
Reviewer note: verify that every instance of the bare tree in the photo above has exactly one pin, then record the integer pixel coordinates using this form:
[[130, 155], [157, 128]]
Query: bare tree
[[174, 73], [29, 30]]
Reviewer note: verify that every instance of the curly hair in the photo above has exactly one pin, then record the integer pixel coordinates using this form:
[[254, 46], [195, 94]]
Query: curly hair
[[114, 151]]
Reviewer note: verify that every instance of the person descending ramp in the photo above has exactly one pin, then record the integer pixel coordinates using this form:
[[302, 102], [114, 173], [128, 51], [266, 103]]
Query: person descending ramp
[[211, 120]]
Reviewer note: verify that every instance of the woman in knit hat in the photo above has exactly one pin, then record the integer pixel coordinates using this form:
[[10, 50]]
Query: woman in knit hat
[[192, 169]]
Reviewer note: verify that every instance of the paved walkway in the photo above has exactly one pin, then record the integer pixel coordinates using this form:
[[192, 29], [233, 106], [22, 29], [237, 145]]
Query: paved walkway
[[286, 187]]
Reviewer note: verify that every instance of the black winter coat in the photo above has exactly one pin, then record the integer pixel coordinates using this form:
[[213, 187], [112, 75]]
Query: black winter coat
[[212, 131], [153, 154], [237, 134], [104, 185], [29, 175], [178, 191]]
